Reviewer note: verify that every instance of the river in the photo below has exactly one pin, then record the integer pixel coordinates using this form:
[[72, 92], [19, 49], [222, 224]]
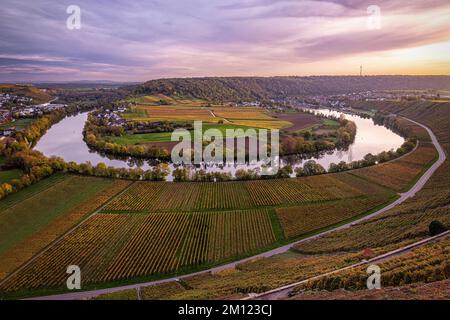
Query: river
[[65, 140]]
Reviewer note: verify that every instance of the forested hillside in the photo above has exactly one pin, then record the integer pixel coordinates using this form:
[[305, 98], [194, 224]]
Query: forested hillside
[[255, 88]]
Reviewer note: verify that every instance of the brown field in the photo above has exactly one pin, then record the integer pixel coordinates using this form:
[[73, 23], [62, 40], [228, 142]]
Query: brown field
[[300, 121], [242, 114], [168, 113], [264, 124]]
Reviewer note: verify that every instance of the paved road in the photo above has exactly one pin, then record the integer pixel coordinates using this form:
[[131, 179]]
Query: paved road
[[403, 197]]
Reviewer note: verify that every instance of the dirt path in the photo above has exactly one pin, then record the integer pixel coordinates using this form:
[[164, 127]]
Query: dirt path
[[215, 116], [403, 197]]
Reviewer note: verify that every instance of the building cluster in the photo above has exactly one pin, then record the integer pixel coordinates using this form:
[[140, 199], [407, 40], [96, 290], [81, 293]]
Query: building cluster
[[6, 98], [243, 104], [37, 110], [10, 131], [18, 111], [113, 117]]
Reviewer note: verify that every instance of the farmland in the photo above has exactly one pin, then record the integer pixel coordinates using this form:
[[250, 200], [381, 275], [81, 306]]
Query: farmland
[[303, 219], [163, 108], [399, 174], [167, 136], [132, 232], [151, 196], [40, 218], [142, 245], [397, 227], [426, 264]]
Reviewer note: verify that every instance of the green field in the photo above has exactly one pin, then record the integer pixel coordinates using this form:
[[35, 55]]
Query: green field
[[166, 136]]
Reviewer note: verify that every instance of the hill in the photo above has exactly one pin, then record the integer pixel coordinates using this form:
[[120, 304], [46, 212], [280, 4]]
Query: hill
[[28, 91], [256, 88]]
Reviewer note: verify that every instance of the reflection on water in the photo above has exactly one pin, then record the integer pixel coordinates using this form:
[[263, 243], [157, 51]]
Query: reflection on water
[[65, 140]]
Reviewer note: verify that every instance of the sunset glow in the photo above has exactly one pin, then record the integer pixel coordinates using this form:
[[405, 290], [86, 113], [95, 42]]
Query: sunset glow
[[143, 40]]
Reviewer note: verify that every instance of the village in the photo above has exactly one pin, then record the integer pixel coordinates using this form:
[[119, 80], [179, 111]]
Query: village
[[14, 108]]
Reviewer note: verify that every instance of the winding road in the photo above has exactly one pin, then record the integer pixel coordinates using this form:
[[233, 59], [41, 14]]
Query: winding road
[[403, 197]]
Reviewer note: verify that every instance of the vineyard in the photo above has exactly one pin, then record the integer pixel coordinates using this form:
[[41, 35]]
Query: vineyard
[[146, 230], [30, 191], [425, 264], [152, 196], [438, 290], [303, 219], [24, 250], [399, 174], [23, 219], [400, 226], [111, 247]]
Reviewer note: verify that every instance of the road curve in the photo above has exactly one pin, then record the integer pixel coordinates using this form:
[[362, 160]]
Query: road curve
[[403, 197]]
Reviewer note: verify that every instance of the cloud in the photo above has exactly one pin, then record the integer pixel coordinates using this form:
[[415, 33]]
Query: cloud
[[142, 39], [364, 42]]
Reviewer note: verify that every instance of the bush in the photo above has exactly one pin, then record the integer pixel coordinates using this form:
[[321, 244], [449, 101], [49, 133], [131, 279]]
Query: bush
[[436, 227]]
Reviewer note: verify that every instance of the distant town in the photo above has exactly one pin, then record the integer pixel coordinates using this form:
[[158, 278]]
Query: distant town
[[13, 107]]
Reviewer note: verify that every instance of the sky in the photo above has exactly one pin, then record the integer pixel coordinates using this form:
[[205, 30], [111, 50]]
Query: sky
[[141, 40]]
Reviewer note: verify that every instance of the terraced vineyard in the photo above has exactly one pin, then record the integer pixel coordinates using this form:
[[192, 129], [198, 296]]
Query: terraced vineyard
[[426, 264]]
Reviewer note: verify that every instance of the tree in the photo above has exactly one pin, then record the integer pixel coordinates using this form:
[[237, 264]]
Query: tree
[[299, 172], [436, 227], [312, 168], [181, 174], [285, 172]]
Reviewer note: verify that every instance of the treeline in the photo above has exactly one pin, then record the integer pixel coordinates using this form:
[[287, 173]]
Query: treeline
[[95, 130], [308, 143], [370, 159], [89, 96], [184, 174], [259, 88]]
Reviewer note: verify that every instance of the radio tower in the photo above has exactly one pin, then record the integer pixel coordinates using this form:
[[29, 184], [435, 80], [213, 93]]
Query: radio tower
[[360, 71]]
